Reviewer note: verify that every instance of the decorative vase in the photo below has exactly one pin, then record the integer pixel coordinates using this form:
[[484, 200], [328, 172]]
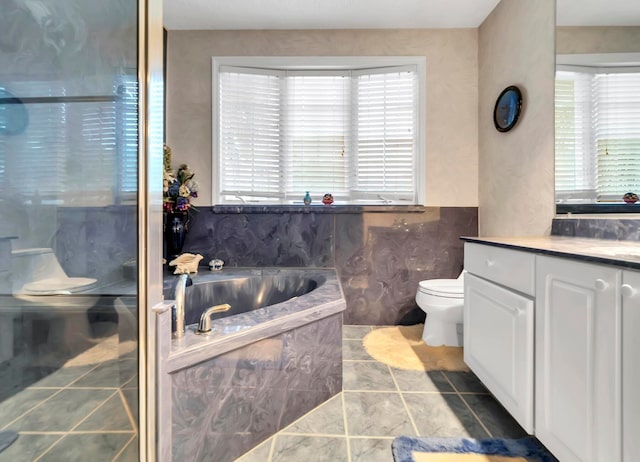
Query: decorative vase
[[307, 199], [175, 233], [327, 199]]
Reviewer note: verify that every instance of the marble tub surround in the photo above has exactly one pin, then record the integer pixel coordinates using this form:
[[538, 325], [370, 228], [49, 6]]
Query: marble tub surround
[[222, 393], [625, 254], [224, 406], [89, 240], [231, 332], [380, 253], [262, 239], [621, 229]]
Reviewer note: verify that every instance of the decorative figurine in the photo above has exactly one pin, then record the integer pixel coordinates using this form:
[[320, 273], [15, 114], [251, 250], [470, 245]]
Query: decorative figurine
[[630, 198], [186, 263], [327, 199], [307, 199], [216, 264]]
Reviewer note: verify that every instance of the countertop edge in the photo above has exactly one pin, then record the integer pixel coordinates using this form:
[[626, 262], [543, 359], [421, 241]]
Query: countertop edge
[[578, 254]]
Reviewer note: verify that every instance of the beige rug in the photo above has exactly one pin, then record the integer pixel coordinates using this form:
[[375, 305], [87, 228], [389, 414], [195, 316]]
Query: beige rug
[[402, 347], [450, 457]]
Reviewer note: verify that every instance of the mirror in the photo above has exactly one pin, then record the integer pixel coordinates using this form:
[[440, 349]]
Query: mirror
[[597, 119]]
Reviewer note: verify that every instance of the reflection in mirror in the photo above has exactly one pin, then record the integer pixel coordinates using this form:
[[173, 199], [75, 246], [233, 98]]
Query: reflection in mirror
[[597, 118]]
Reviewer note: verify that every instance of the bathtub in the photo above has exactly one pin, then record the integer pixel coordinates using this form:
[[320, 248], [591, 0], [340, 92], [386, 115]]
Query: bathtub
[[275, 355]]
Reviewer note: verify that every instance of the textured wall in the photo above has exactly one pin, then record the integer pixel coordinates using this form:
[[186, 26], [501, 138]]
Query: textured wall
[[597, 39], [379, 257], [451, 99], [516, 169]]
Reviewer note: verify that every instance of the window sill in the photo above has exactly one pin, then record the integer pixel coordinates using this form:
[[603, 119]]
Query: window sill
[[320, 208], [562, 209]]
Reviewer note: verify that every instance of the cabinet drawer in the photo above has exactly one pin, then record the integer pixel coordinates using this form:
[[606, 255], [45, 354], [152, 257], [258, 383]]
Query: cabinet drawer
[[511, 268]]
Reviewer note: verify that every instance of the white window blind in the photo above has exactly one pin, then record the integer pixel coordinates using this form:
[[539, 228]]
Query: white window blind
[[617, 133], [597, 135], [250, 133], [575, 165], [80, 152], [386, 113], [351, 133], [318, 130]]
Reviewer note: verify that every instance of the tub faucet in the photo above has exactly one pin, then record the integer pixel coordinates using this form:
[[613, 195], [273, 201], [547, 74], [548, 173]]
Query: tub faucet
[[182, 283], [204, 325]]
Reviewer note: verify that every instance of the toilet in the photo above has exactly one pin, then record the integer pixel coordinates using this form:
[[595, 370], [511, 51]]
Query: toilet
[[443, 301], [43, 289]]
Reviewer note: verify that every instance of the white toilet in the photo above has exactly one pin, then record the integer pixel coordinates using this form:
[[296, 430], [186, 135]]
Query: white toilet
[[443, 301], [44, 289]]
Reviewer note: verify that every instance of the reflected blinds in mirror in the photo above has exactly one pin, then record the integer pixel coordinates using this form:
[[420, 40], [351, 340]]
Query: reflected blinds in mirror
[[597, 135]]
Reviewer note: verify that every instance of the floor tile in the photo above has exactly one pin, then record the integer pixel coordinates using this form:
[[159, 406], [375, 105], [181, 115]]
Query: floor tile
[[355, 332], [353, 349], [293, 448], [259, 453], [433, 381], [466, 382], [491, 413], [327, 419], [109, 416], [131, 400], [376, 414], [130, 452], [63, 376], [370, 450], [442, 416], [111, 374], [28, 447], [75, 447], [367, 375], [63, 411], [14, 407]]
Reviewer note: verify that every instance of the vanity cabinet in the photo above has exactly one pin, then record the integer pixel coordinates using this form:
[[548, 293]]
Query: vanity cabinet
[[499, 325], [578, 359], [630, 365]]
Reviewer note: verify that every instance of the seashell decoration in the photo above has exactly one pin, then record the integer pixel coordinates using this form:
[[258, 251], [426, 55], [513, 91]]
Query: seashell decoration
[[186, 263]]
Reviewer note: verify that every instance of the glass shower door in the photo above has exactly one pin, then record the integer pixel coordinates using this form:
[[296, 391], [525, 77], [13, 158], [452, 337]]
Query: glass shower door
[[69, 300]]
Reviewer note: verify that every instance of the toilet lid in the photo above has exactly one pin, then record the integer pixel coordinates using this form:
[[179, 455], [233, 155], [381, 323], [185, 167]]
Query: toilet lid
[[58, 286], [450, 288]]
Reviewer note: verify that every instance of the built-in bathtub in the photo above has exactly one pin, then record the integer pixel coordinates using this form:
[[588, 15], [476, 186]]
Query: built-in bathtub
[[274, 356]]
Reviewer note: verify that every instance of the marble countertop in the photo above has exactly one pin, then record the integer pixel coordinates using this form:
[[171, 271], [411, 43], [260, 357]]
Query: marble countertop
[[625, 254]]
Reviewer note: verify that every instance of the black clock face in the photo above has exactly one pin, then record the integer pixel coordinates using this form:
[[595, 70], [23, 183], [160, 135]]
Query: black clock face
[[507, 109]]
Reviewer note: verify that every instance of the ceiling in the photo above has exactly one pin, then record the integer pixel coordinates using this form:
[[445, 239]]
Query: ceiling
[[375, 14]]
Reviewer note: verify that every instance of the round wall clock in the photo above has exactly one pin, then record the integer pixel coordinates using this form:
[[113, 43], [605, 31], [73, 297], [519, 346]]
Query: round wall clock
[[507, 109]]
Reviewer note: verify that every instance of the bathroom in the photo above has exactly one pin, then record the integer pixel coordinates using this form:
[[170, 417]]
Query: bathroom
[[101, 218]]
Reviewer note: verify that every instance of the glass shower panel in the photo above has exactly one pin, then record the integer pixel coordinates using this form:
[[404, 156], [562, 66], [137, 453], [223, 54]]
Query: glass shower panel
[[68, 230]]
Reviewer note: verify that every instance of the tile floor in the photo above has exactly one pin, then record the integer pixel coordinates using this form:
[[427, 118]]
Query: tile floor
[[379, 403], [79, 412]]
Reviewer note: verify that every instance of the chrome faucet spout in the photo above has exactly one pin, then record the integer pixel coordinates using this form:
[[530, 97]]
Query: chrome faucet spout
[[204, 325], [181, 285]]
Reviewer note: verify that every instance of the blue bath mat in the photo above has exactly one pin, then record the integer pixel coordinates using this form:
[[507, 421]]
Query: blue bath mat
[[405, 447]]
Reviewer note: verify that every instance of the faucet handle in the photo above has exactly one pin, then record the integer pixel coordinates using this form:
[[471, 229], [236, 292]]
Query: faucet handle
[[204, 325]]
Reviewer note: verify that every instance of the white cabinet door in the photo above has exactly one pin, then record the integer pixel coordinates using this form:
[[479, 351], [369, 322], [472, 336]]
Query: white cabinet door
[[630, 365], [498, 344], [578, 361]]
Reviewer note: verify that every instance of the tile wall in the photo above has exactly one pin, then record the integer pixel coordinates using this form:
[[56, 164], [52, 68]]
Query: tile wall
[[380, 256]]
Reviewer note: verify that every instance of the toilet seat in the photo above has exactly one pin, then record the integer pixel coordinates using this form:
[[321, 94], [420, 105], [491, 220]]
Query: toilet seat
[[447, 288], [57, 286]]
